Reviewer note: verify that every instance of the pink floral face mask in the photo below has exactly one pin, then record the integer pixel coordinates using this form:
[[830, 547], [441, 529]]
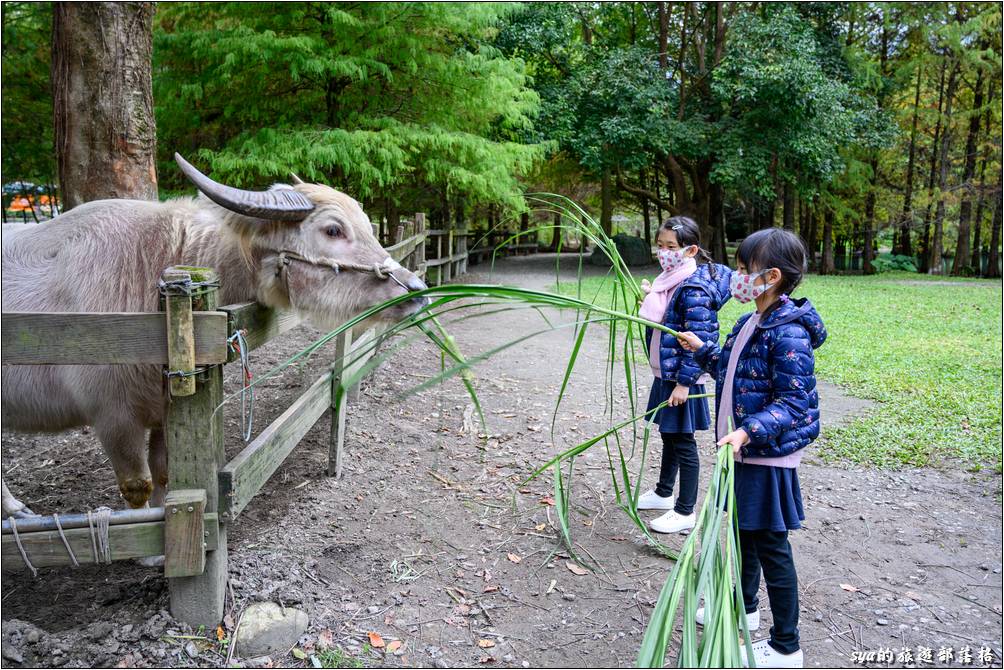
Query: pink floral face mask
[[742, 288], [670, 259]]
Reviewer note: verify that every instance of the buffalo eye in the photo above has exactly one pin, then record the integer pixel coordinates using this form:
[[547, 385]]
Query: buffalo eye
[[333, 231]]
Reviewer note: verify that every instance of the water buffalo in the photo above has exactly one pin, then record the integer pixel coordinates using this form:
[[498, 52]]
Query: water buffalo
[[280, 247]]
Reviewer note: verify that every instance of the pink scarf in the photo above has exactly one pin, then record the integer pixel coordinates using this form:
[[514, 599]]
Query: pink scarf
[[653, 308]]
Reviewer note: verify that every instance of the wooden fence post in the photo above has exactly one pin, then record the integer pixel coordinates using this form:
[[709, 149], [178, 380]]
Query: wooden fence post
[[420, 249], [343, 345], [447, 267], [194, 436]]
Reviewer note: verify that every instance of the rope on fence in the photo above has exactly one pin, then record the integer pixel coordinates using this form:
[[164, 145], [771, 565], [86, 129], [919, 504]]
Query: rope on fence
[[66, 543], [20, 548], [186, 287], [239, 345], [97, 522]]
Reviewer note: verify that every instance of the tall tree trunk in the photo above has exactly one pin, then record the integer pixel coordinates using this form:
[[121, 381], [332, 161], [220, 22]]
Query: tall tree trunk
[[663, 36], [556, 238], [105, 132], [658, 196], [904, 246], [646, 214], [961, 263], [789, 207], [606, 203], [937, 234], [716, 219], [813, 241], [828, 267], [869, 253], [994, 262], [925, 242], [978, 219]]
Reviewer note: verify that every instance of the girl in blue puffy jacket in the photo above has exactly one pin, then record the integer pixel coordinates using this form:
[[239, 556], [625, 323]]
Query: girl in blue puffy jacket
[[686, 296], [766, 386]]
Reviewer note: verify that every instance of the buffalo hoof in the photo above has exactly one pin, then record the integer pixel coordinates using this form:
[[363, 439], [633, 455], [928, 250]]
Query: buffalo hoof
[[23, 513]]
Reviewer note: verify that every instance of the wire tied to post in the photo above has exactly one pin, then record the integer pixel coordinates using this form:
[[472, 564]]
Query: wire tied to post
[[238, 344]]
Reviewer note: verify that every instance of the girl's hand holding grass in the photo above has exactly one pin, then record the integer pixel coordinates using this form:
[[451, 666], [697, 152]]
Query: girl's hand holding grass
[[679, 395], [689, 341], [737, 439], [646, 286]]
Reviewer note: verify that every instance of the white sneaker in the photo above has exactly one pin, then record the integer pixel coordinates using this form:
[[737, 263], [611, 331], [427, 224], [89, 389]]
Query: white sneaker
[[752, 619], [671, 522], [765, 656], [652, 500]]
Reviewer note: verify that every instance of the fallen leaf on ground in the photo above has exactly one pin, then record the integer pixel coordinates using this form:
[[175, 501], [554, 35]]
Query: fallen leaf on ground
[[485, 660], [298, 653], [491, 588], [848, 587], [540, 526], [486, 644], [575, 568], [375, 640], [326, 639], [547, 500], [220, 634], [394, 645], [514, 558], [228, 621]]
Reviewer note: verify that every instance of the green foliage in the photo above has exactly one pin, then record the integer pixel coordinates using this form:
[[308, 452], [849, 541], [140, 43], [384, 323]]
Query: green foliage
[[785, 117], [890, 262], [374, 98], [27, 133]]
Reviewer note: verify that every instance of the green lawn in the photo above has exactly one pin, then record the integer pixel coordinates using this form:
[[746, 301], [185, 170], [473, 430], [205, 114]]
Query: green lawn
[[928, 351]]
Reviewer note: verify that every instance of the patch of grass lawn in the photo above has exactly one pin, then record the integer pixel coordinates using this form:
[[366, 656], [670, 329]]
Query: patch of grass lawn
[[928, 349]]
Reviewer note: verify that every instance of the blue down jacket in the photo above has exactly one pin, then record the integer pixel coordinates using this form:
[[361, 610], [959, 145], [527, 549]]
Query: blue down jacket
[[694, 307], [774, 391]]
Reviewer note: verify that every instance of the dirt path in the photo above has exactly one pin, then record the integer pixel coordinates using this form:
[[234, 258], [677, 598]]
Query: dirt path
[[419, 540]]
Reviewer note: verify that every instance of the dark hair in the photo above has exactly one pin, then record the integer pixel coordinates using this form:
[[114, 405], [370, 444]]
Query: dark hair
[[688, 233], [775, 248]]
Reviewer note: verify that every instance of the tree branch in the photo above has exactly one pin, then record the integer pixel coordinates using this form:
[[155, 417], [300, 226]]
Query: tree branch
[[643, 193]]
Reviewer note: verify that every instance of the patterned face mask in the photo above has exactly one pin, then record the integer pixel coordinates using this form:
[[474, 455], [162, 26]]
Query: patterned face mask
[[670, 259], [742, 288]]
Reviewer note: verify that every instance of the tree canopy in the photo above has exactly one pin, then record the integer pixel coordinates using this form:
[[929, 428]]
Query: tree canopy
[[859, 125]]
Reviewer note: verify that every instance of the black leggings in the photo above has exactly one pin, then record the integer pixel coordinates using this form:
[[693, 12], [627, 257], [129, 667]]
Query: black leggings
[[679, 453], [770, 551]]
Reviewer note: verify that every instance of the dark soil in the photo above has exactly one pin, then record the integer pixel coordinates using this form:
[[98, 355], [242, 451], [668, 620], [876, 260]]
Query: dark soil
[[429, 537]]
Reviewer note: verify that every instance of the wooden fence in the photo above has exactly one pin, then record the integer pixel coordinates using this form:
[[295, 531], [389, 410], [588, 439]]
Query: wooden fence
[[450, 251], [206, 492]]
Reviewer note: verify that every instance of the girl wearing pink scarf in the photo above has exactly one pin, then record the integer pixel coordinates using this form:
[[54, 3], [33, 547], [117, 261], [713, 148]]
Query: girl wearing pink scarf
[[686, 296]]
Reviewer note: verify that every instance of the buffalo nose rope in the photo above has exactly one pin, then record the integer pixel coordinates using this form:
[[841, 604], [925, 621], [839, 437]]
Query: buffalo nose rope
[[384, 270]]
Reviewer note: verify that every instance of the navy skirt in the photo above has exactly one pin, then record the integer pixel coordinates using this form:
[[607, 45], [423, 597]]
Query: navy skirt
[[689, 417], [768, 498]]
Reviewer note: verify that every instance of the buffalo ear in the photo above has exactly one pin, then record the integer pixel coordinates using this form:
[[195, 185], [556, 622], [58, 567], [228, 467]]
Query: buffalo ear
[[275, 205]]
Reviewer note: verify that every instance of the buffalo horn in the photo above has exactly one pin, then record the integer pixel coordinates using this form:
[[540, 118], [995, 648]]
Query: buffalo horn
[[277, 205]]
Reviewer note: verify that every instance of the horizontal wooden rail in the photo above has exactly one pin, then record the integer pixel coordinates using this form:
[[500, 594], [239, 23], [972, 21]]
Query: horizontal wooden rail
[[131, 540], [403, 249], [243, 477], [104, 338]]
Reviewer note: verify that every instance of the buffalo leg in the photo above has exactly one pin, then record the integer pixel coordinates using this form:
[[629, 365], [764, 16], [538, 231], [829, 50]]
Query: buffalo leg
[[123, 442], [157, 459], [12, 507]]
